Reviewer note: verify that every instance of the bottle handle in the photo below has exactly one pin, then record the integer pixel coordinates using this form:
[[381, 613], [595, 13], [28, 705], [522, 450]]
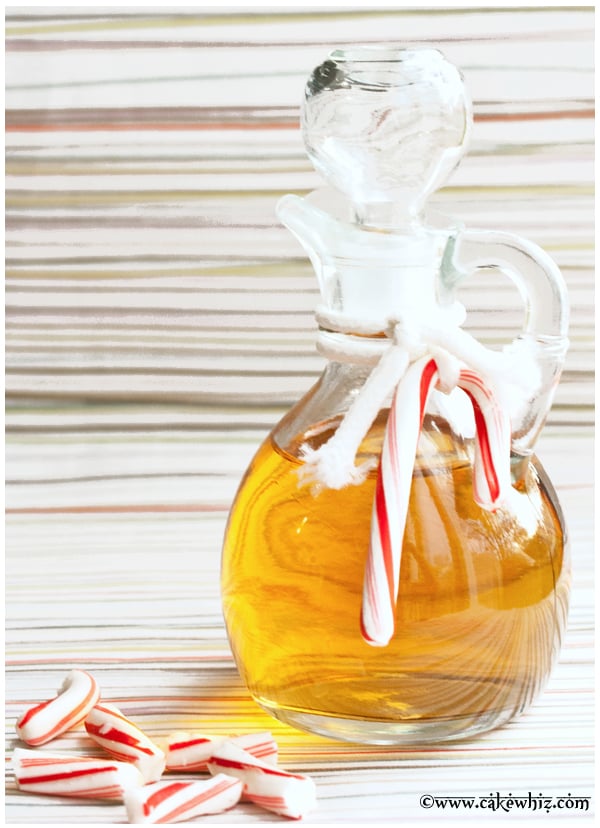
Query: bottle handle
[[544, 294]]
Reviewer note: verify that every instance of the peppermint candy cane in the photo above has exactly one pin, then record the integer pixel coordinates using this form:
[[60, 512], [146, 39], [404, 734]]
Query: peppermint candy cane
[[190, 752], [491, 478], [287, 794], [120, 737], [76, 697], [491, 466], [177, 801], [57, 774]]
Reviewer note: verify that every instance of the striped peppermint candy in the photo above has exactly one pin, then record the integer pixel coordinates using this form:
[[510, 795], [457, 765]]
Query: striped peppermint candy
[[120, 737], [260, 745], [164, 802], [191, 751], [76, 697], [287, 794], [58, 774], [491, 479]]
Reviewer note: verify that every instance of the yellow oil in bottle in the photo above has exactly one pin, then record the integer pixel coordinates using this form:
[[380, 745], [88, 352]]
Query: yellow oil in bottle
[[480, 614]]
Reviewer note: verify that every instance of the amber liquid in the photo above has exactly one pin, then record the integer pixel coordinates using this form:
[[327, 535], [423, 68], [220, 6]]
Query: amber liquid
[[480, 613]]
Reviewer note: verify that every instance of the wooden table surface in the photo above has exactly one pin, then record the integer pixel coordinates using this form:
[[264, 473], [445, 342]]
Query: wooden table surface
[[160, 322]]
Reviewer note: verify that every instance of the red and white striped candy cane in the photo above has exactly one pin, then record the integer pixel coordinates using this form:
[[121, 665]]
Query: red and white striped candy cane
[[287, 794], [177, 801], [491, 477], [491, 467], [190, 752], [58, 774], [120, 737], [76, 697]]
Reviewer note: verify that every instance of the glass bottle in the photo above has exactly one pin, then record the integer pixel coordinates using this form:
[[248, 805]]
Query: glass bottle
[[481, 591]]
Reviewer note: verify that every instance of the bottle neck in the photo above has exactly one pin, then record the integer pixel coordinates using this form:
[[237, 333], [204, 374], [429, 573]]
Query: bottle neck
[[397, 216], [404, 282]]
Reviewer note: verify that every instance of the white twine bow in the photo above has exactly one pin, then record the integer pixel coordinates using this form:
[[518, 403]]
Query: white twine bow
[[416, 358], [512, 374]]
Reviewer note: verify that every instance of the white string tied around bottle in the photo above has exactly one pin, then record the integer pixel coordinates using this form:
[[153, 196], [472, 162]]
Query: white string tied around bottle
[[415, 357]]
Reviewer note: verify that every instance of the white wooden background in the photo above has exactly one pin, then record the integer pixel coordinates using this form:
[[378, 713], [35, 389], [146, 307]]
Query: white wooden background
[[159, 322]]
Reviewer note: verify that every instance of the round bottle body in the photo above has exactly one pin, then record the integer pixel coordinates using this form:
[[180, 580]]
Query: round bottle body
[[481, 608]]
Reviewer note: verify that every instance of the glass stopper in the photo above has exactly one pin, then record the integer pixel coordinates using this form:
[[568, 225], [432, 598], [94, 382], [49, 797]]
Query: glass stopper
[[385, 127]]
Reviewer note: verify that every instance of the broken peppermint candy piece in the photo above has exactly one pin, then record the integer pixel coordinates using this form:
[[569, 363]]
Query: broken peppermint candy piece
[[287, 794]]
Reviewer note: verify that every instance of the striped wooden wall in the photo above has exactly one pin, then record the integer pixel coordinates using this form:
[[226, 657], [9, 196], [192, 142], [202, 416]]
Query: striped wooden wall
[[146, 151]]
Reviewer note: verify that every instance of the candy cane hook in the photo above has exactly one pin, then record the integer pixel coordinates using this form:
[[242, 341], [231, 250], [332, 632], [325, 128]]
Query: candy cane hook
[[491, 478]]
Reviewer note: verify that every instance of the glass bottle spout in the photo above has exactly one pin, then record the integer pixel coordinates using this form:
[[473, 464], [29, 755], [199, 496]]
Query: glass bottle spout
[[362, 271]]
